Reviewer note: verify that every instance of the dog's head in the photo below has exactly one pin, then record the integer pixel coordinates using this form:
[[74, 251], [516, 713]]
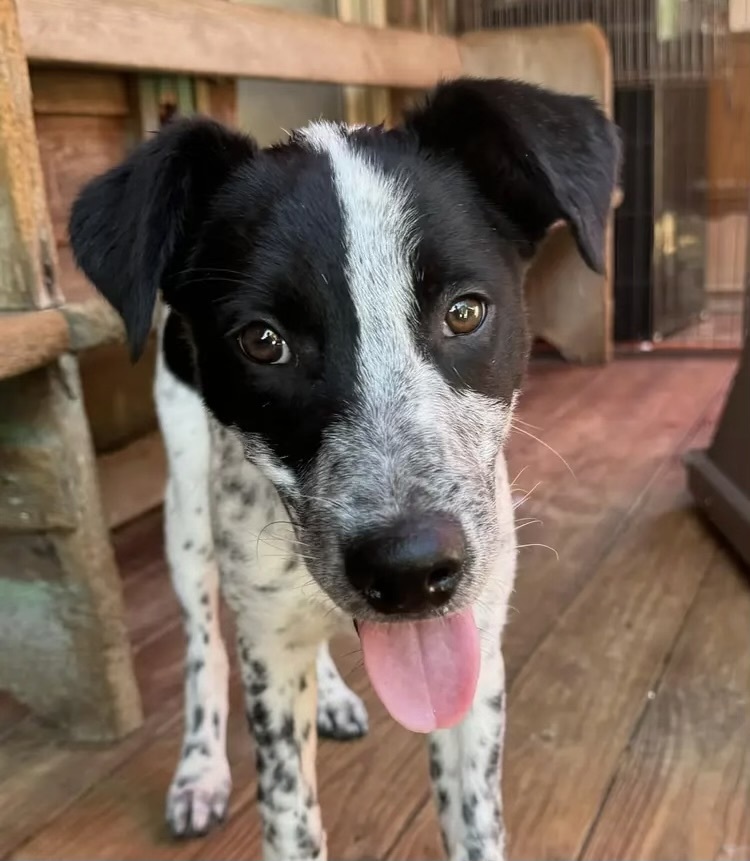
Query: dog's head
[[353, 301]]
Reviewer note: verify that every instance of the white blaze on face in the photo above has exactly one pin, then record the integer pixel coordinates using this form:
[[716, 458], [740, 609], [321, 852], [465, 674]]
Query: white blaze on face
[[379, 237]]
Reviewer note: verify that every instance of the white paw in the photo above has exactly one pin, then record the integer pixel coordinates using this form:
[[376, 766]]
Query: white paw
[[199, 795], [341, 713]]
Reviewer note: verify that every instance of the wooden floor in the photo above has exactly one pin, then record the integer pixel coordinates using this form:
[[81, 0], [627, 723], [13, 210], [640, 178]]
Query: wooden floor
[[628, 661]]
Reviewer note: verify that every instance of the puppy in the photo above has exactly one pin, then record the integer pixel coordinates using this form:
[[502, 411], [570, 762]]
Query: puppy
[[340, 360]]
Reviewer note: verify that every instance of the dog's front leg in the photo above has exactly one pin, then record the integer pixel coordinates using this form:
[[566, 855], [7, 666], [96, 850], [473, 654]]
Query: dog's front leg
[[280, 695], [465, 765]]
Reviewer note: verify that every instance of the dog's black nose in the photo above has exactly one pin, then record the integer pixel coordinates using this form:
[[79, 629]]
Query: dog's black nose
[[410, 566]]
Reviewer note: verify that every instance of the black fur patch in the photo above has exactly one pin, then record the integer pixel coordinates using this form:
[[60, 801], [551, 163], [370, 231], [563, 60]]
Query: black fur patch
[[198, 715]]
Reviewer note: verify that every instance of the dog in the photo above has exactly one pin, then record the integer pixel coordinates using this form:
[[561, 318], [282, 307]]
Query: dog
[[341, 351]]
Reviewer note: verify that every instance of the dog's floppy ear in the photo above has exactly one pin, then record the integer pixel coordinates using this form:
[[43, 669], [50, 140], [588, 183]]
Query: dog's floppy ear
[[131, 227], [539, 156]]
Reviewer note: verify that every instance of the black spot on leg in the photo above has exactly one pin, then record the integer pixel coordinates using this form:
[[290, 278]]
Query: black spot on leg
[[198, 715], [194, 667], [249, 497], [436, 769], [188, 545], [474, 853], [232, 486], [195, 747], [206, 637], [306, 845], [258, 669], [266, 589], [217, 725], [260, 715], [205, 599], [286, 733], [497, 703], [443, 800], [284, 779], [259, 720], [290, 566], [493, 764], [269, 833], [302, 683], [469, 810], [258, 678], [306, 730]]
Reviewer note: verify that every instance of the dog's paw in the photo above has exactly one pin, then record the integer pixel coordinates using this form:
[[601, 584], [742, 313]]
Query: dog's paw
[[198, 798], [341, 713]]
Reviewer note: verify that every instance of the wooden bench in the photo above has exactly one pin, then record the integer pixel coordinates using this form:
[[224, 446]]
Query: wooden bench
[[63, 640]]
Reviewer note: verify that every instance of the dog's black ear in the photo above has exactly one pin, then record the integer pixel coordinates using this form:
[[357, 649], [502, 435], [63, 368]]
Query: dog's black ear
[[537, 155], [131, 227]]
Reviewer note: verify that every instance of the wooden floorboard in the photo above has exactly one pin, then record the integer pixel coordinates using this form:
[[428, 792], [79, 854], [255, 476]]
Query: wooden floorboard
[[589, 638], [605, 453], [682, 788]]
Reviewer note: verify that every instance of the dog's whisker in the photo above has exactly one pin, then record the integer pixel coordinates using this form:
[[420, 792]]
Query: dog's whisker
[[544, 546], [527, 523], [519, 502], [513, 483], [547, 446], [527, 424]]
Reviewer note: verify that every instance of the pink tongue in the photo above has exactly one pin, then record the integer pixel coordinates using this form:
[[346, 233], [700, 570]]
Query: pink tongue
[[426, 672]]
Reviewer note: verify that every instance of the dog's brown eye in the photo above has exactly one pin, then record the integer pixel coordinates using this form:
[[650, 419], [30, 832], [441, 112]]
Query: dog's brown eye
[[464, 316], [262, 344]]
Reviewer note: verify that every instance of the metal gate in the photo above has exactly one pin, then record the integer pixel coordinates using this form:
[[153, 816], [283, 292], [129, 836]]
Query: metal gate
[[682, 99]]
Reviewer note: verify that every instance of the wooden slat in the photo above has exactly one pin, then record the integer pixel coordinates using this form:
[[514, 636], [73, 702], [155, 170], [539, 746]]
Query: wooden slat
[[132, 480], [31, 339], [79, 92], [74, 149], [683, 787], [212, 37]]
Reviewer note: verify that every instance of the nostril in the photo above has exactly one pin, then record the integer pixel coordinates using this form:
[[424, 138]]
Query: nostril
[[442, 579]]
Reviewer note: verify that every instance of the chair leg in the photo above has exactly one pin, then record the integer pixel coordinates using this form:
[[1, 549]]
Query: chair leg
[[62, 628]]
